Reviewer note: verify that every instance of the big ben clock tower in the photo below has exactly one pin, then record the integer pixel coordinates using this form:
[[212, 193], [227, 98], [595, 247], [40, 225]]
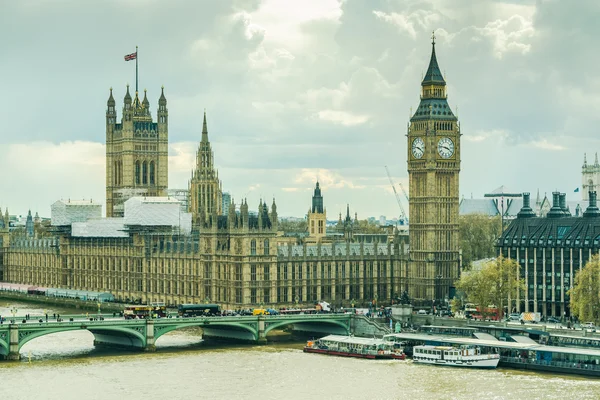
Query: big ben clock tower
[[433, 170]]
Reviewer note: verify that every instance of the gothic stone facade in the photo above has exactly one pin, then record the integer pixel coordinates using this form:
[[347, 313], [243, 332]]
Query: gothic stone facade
[[236, 263], [433, 171], [232, 259], [136, 151]]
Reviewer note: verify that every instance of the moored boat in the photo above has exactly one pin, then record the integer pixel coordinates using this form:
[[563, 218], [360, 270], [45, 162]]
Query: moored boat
[[350, 346], [463, 356]]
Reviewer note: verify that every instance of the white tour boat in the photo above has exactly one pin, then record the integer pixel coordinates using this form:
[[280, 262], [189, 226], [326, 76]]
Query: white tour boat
[[464, 356]]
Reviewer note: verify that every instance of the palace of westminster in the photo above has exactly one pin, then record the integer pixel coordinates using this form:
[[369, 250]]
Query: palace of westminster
[[147, 249]]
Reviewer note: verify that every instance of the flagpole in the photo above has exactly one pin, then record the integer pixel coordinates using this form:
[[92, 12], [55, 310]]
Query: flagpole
[[136, 69]]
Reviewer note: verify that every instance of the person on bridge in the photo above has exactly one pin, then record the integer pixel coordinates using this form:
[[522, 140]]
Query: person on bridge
[[46, 317]]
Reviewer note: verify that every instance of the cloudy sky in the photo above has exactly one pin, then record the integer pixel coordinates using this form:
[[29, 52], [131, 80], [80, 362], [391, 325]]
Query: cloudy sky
[[299, 90]]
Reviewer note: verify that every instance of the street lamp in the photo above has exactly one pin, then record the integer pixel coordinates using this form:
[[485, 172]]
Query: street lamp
[[14, 311], [436, 296], [297, 299]]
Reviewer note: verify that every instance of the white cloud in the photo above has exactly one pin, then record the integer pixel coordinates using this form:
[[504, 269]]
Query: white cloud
[[547, 145], [342, 117]]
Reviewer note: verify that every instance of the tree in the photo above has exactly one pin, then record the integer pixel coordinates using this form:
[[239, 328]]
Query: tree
[[478, 234], [364, 226], [292, 226], [493, 284], [585, 294]]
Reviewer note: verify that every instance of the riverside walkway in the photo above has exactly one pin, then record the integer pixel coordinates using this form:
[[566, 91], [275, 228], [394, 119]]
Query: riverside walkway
[[141, 334]]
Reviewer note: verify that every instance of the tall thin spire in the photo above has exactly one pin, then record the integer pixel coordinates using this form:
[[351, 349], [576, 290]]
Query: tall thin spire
[[204, 129], [433, 74], [596, 160]]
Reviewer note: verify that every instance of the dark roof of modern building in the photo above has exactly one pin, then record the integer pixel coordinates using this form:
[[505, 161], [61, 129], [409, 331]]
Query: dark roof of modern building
[[552, 232]]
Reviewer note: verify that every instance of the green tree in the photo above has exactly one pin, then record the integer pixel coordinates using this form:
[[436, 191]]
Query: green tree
[[364, 226], [478, 235], [292, 226], [585, 294], [493, 284]]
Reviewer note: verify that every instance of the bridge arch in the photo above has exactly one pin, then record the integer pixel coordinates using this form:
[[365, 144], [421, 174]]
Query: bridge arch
[[205, 325], [344, 324], [3, 347], [25, 337]]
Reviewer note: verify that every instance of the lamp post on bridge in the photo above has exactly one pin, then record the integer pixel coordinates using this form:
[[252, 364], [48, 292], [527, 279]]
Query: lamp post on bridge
[[14, 311]]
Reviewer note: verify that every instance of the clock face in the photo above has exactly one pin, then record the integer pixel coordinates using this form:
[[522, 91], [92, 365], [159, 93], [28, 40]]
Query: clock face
[[418, 148], [446, 147]]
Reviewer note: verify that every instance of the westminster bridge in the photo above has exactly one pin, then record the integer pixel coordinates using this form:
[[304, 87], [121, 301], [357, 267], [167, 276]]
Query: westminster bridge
[[141, 334]]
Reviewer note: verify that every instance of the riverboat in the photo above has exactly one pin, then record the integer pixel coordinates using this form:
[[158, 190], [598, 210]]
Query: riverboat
[[350, 346], [464, 356]]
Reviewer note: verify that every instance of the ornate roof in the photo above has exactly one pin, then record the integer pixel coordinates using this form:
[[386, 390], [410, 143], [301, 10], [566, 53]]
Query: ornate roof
[[434, 108], [433, 74]]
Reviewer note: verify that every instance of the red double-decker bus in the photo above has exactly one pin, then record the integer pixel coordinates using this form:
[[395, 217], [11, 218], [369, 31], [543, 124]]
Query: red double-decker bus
[[489, 313]]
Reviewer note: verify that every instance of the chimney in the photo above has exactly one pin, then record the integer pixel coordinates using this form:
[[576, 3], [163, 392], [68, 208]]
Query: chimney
[[526, 211], [592, 210], [563, 204], [556, 211]]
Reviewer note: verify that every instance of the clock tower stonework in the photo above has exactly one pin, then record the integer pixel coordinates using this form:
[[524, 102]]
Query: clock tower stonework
[[433, 171]]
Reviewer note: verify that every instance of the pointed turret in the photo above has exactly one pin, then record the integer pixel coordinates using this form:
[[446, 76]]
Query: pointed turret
[[348, 213], [596, 160], [111, 100], [433, 76], [127, 98], [584, 160], [204, 129], [145, 102], [162, 101], [317, 200], [136, 101], [29, 225]]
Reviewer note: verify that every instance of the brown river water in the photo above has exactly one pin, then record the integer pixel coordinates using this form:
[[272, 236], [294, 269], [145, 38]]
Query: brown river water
[[66, 366]]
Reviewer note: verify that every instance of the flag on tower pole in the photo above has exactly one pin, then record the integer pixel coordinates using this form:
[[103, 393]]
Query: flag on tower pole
[[134, 56]]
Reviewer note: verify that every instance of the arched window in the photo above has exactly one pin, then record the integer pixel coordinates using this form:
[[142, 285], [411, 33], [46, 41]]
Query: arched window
[[266, 247], [137, 172], [152, 172], [145, 173], [116, 173], [253, 247]]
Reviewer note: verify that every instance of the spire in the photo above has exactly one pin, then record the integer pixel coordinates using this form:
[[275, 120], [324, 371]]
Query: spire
[[136, 102], [127, 99], [584, 160], [317, 200], [162, 100], [596, 160], [433, 74], [145, 102], [204, 129], [111, 99]]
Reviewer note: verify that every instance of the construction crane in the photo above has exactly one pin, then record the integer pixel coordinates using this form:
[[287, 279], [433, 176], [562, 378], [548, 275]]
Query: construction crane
[[403, 215], [404, 191]]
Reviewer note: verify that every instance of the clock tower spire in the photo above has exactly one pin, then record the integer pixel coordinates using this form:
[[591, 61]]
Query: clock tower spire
[[433, 170]]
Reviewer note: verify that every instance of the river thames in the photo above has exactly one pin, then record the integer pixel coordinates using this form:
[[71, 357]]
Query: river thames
[[67, 366]]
